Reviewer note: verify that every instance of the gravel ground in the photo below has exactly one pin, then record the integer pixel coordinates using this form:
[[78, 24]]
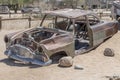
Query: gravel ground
[[95, 65]]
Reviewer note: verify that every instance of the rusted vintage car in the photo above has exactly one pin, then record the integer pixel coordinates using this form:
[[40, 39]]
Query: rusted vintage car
[[67, 32]]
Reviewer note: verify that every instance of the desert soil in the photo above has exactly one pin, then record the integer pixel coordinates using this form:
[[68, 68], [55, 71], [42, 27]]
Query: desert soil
[[96, 65]]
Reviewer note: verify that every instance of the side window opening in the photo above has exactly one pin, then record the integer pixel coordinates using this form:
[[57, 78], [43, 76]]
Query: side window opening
[[49, 22], [61, 23], [93, 20], [81, 34]]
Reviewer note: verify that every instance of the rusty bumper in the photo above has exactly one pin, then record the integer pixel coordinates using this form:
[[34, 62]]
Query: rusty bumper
[[25, 56]]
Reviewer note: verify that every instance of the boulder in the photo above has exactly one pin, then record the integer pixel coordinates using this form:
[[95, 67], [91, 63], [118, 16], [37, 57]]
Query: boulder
[[109, 52], [66, 61]]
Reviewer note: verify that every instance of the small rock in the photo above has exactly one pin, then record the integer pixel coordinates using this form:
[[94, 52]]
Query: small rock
[[78, 67], [109, 52], [66, 61], [113, 77]]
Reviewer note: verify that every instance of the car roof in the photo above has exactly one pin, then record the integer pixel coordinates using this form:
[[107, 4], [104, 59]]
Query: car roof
[[68, 13]]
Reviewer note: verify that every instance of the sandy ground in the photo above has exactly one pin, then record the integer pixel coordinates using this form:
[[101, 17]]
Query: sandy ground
[[96, 65], [18, 24]]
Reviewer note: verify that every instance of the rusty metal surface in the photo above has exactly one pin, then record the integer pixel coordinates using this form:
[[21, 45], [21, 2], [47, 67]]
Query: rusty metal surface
[[68, 13], [37, 45], [104, 31]]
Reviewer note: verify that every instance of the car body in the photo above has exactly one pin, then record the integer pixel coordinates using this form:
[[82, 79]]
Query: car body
[[115, 10], [38, 45], [68, 32], [30, 9], [4, 9]]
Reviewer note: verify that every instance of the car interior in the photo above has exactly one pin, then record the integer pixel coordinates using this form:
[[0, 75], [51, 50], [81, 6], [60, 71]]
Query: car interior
[[80, 31], [79, 28]]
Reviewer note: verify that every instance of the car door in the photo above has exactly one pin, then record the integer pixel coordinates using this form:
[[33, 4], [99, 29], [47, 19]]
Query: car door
[[101, 30], [97, 28]]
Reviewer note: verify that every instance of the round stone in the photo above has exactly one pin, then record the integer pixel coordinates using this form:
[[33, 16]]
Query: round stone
[[109, 52], [66, 61]]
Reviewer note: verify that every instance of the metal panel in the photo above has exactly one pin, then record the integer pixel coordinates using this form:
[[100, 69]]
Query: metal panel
[[98, 37], [69, 13]]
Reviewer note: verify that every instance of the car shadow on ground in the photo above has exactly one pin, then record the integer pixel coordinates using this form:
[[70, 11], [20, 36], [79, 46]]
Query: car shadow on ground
[[12, 62]]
